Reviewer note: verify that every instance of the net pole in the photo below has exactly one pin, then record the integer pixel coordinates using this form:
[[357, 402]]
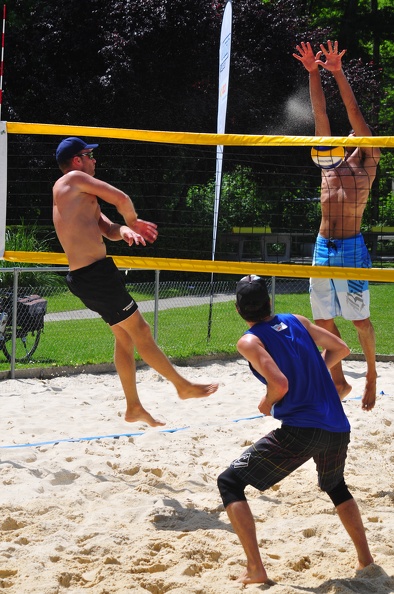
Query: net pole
[[2, 57]]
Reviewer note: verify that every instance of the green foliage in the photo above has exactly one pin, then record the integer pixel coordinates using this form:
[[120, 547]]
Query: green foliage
[[241, 202], [365, 29], [26, 238], [386, 190], [298, 211], [154, 65], [246, 202], [386, 211]]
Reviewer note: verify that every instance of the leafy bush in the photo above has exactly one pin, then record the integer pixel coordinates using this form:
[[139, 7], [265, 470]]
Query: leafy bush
[[247, 201], [26, 238], [386, 211], [241, 201]]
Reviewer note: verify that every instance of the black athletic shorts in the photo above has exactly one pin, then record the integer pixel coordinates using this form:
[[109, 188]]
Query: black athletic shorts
[[285, 449], [102, 288]]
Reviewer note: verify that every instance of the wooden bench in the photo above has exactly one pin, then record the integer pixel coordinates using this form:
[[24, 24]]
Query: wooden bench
[[266, 239], [378, 233]]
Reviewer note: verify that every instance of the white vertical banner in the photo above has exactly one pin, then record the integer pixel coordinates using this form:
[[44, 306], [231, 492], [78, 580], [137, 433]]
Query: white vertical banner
[[224, 74], [3, 185]]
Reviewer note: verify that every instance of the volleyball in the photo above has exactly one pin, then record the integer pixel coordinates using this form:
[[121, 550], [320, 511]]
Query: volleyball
[[327, 157]]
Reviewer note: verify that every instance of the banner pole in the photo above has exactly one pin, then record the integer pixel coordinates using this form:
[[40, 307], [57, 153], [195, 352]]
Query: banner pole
[[224, 75]]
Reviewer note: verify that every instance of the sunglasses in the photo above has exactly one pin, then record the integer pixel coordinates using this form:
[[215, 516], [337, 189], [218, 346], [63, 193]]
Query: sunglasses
[[89, 154]]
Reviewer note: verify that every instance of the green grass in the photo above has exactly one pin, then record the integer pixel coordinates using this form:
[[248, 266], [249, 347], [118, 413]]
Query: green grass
[[183, 332], [186, 335], [66, 301], [73, 342], [382, 317]]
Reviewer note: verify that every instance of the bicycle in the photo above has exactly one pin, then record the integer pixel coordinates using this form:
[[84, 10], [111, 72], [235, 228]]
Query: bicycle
[[31, 310]]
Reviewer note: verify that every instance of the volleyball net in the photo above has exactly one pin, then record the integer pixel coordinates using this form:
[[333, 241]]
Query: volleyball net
[[269, 208]]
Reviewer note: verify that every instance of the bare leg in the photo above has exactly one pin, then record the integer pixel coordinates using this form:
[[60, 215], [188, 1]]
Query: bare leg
[[139, 336], [350, 517], [336, 371], [243, 523], [366, 337], [125, 366]]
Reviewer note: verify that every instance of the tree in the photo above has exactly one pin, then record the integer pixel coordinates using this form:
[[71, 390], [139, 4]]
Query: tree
[[154, 65]]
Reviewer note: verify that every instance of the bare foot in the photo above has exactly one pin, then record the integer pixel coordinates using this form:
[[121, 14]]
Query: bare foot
[[369, 397], [196, 390], [138, 413], [259, 576], [343, 389]]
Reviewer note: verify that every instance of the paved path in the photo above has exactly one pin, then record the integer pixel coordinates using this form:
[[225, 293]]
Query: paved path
[[144, 306]]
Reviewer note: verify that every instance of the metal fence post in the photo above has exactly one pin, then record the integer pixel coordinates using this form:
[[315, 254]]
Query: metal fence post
[[156, 315], [273, 278], [14, 320]]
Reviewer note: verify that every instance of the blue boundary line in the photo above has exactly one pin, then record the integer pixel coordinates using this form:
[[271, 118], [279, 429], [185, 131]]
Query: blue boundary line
[[111, 436], [360, 397], [136, 434]]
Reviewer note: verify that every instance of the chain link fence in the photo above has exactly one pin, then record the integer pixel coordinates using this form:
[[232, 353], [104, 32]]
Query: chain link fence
[[46, 330], [44, 326]]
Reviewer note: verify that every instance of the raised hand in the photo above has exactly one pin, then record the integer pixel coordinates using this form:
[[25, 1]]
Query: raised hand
[[306, 56], [333, 59]]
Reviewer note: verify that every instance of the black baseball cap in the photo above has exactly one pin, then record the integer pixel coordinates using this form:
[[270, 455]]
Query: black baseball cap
[[251, 294], [69, 147]]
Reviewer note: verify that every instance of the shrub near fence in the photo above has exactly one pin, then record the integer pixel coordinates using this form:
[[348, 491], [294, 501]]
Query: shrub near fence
[[188, 319]]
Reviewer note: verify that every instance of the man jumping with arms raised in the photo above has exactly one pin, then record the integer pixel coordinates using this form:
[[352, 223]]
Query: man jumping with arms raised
[[344, 195]]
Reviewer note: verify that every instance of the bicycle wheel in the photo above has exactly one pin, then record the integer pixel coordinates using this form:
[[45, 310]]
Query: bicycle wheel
[[26, 345]]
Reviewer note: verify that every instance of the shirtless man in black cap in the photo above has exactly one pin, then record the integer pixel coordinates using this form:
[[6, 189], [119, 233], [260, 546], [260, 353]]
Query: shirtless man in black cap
[[80, 226]]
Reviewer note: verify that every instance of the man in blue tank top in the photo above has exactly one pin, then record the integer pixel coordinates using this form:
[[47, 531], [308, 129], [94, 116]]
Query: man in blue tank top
[[282, 351]]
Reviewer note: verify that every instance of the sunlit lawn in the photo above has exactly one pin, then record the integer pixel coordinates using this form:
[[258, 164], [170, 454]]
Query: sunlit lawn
[[184, 332]]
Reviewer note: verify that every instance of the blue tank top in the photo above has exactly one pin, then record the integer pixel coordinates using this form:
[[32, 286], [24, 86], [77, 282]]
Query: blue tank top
[[312, 399]]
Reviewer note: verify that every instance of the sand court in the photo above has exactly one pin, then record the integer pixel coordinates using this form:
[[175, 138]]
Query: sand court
[[92, 503]]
